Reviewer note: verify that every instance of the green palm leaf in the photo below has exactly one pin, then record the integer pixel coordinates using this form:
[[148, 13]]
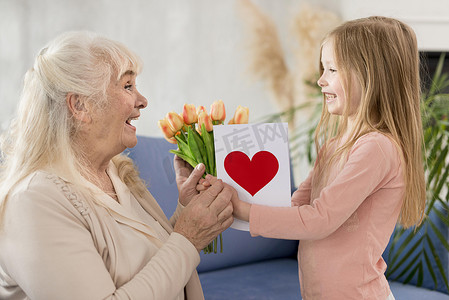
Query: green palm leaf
[[432, 273]]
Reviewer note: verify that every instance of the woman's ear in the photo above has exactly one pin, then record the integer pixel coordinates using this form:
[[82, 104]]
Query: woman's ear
[[78, 107]]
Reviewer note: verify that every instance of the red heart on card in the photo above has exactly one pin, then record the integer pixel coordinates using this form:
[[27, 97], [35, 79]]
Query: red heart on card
[[254, 174]]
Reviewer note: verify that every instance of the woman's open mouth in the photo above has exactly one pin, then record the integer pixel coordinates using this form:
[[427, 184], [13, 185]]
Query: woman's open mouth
[[128, 122]]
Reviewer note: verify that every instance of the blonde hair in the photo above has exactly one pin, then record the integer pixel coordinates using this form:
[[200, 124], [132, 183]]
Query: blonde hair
[[41, 136], [383, 54]]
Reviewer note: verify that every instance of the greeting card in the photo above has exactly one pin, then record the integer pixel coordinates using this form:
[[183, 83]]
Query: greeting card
[[254, 159]]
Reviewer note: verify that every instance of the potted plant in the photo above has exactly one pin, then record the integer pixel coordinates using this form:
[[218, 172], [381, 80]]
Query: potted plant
[[418, 252]]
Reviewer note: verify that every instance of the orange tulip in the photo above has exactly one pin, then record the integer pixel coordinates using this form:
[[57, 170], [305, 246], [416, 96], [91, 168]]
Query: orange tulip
[[172, 140], [182, 118], [204, 118], [189, 114], [200, 109], [175, 121], [167, 131], [241, 116], [217, 111]]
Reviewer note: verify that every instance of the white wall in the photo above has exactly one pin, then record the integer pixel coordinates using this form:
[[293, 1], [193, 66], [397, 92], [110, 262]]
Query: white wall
[[193, 50], [429, 18]]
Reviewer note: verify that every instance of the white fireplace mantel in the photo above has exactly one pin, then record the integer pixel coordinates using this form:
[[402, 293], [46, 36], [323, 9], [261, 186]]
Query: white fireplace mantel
[[429, 18]]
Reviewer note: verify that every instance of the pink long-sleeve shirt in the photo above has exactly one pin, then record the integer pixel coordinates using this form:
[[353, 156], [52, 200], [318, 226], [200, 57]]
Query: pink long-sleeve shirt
[[344, 231]]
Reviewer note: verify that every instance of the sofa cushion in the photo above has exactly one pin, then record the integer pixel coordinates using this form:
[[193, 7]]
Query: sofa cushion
[[155, 165], [240, 248], [411, 292], [278, 279], [272, 279]]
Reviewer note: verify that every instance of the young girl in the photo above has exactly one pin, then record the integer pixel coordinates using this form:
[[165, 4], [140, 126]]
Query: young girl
[[369, 171]]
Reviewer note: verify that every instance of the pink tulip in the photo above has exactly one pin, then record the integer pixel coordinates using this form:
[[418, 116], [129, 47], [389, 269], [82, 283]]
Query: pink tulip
[[241, 115], [217, 111], [167, 131], [189, 114], [175, 121], [204, 118]]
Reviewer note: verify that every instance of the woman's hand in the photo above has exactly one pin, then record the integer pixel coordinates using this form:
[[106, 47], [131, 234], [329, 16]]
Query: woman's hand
[[187, 179], [207, 215], [241, 208]]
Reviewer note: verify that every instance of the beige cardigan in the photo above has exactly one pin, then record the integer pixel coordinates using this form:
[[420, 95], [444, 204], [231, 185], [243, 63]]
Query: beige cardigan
[[58, 245]]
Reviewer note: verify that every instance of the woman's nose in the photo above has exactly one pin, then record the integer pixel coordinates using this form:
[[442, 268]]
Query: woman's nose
[[141, 102]]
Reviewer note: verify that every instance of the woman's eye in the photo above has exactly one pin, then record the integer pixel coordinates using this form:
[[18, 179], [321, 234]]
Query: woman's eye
[[332, 70], [128, 87]]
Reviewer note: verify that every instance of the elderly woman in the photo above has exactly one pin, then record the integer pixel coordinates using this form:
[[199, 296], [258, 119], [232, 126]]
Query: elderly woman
[[77, 222]]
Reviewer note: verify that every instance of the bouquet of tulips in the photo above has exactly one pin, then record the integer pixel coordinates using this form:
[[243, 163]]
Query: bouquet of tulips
[[193, 132]]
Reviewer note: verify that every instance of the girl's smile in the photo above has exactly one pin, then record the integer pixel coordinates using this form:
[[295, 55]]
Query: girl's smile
[[330, 97], [332, 86]]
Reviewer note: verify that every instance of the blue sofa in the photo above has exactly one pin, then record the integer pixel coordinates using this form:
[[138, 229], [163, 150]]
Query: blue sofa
[[249, 268]]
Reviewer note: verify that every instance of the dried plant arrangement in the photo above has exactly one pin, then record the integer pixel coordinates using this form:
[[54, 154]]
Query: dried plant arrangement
[[267, 60]]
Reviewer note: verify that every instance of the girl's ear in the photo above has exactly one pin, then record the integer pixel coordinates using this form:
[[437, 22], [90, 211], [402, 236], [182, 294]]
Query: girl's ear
[[78, 107]]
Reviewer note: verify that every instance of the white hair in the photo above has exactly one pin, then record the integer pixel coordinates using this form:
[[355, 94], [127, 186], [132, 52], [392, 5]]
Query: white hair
[[41, 136]]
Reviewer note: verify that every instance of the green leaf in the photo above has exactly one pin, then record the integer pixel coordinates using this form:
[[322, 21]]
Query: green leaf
[[412, 273], [420, 275], [212, 141], [209, 143], [184, 148], [202, 148], [434, 147], [430, 269], [194, 148], [408, 267], [403, 245], [441, 237], [444, 218], [442, 180], [429, 134], [212, 247], [439, 164], [397, 234], [440, 267], [188, 159], [182, 136], [405, 257], [434, 88]]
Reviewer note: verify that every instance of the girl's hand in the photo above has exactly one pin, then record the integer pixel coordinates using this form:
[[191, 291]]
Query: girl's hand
[[202, 185], [241, 208]]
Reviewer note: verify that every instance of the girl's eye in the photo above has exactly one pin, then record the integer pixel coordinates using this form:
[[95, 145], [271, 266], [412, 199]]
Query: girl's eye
[[332, 70]]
